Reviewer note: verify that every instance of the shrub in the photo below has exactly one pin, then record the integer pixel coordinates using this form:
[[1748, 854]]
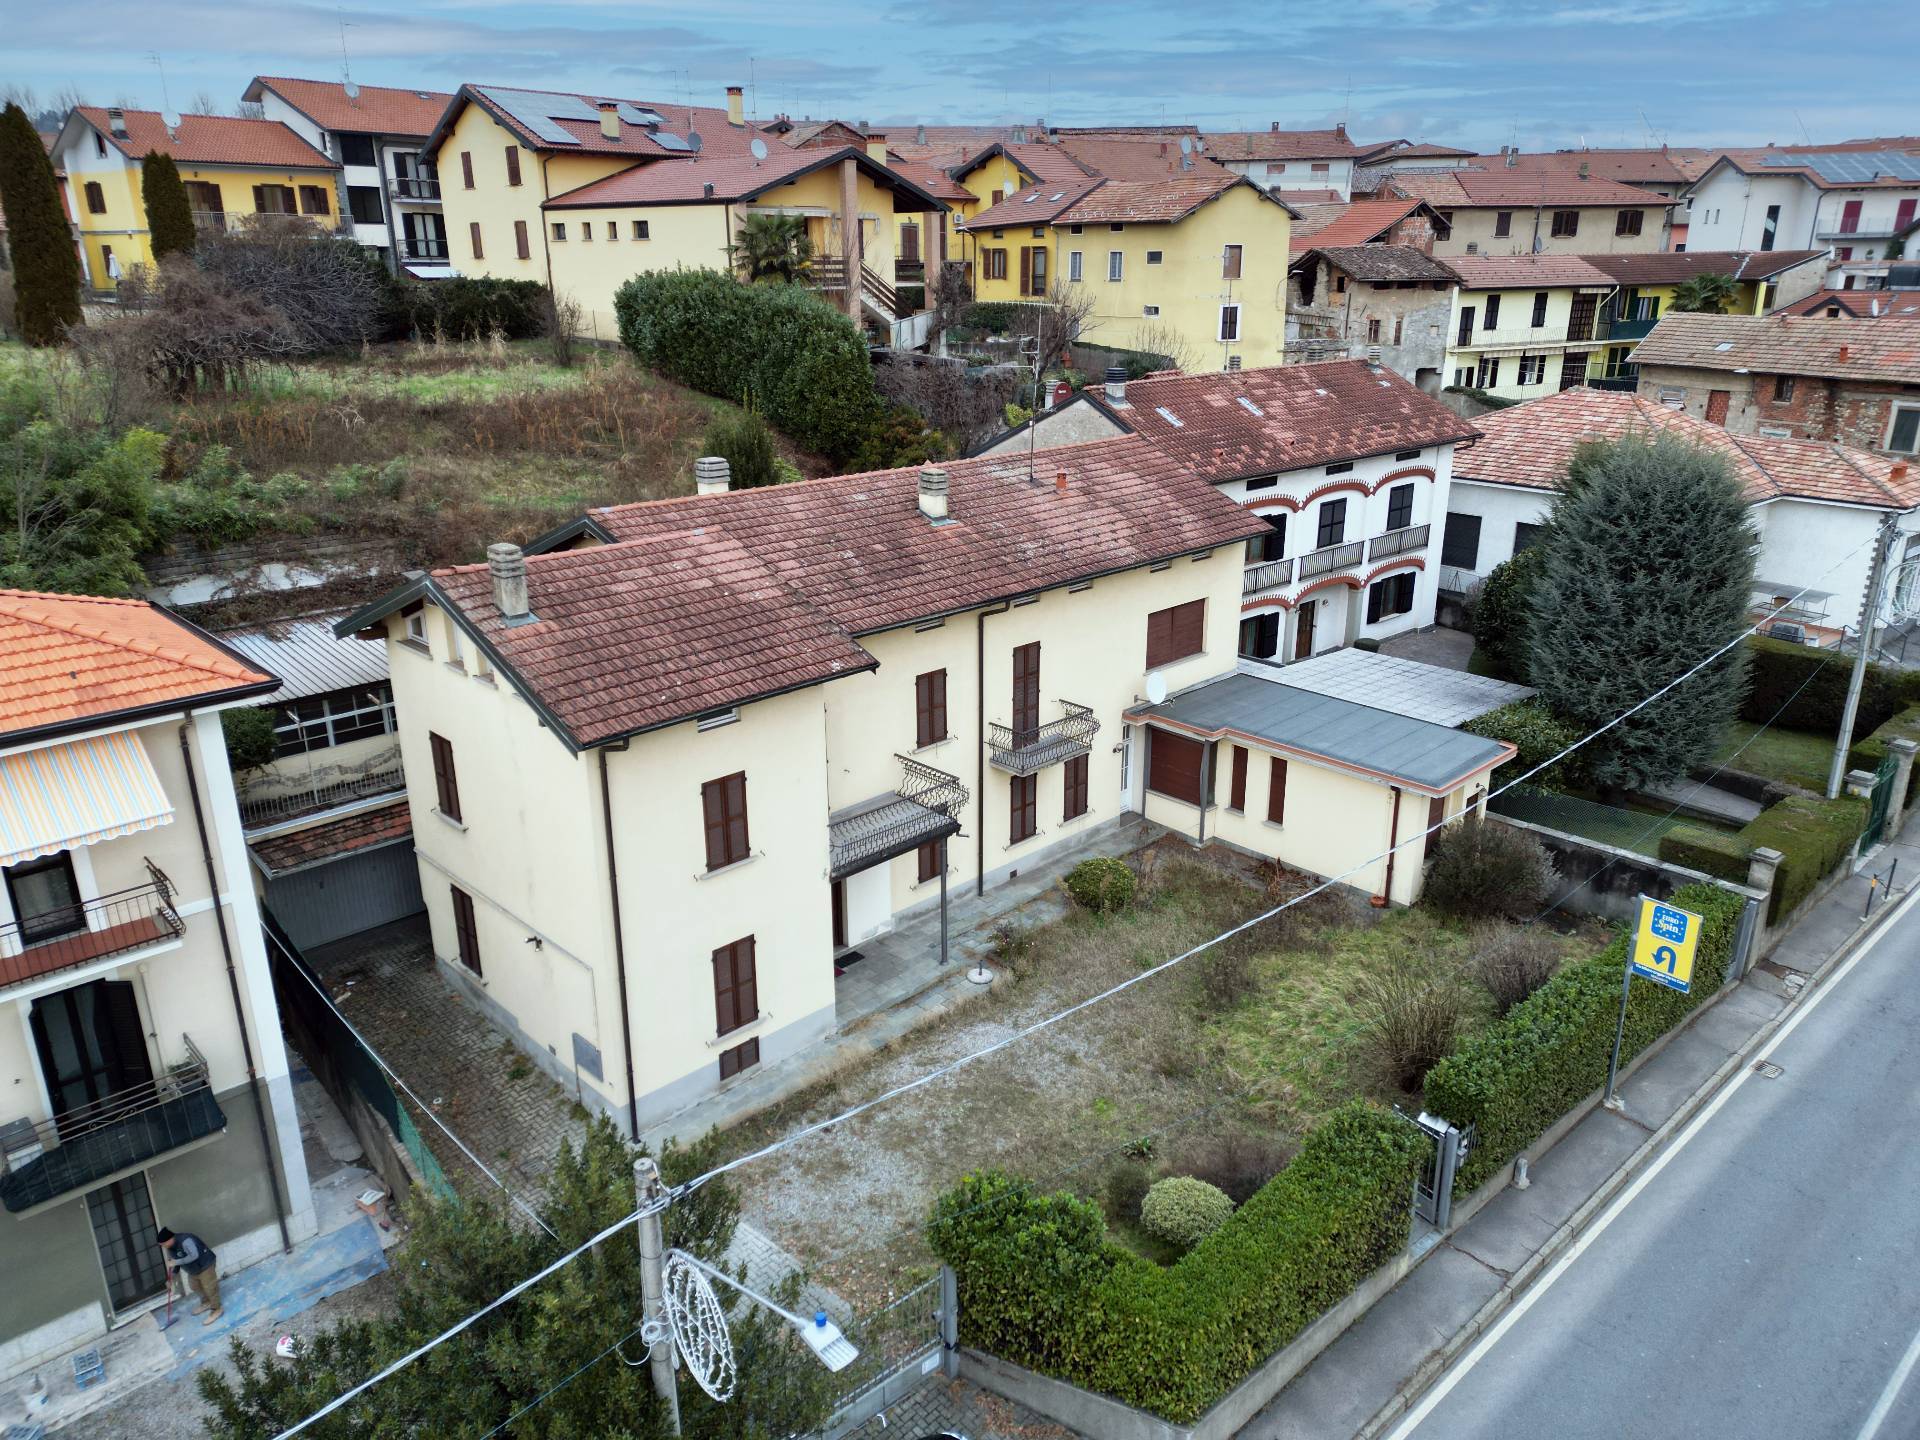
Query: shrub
[[1102, 884], [1703, 848], [472, 308], [1514, 1079], [1238, 1163], [1127, 1186], [1412, 1016], [1868, 753], [1537, 735], [742, 439], [1014, 946], [1183, 1211], [1481, 868], [330, 293], [990, 317], [1513, 961], [898, 437], [249, 735], [1041, 1286], [1806, 689], [1812, 835], [800, 362], [561, 320], [1499, 611]]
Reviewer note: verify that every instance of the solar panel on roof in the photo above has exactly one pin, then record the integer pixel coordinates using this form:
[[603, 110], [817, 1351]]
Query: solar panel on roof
[[1851, 165], [538, 111]]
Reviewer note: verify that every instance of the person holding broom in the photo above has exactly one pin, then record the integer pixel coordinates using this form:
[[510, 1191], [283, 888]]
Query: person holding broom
[[189, 1253]]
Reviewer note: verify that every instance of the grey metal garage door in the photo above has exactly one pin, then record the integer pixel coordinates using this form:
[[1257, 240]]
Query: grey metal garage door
[[348, 895]]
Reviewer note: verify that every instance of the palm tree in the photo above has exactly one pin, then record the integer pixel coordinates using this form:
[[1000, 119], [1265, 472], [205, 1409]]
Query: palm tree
[[773, 247], [1703, 295]]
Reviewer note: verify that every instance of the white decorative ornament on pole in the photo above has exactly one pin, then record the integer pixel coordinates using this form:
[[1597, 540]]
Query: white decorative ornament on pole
[[699, 1326], [1904, 602]]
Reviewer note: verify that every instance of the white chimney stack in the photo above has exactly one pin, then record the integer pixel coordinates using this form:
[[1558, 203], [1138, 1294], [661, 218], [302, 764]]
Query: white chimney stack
[[508, 565], [610, 119], [1116, 385], [711, 475], [933, 493]]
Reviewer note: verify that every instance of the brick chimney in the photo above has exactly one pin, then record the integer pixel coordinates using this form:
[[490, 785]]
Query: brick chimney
[[711, 475], [610, 119], [933, 493], [508, 566], [1845, 353], [736, 105]]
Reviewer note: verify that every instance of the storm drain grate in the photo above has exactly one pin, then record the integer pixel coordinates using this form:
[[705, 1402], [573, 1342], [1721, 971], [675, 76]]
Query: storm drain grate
[[1767, 1070]]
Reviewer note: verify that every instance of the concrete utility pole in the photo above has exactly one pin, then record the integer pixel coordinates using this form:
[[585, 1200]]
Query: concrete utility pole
[[653, 1286], [1869, 612]]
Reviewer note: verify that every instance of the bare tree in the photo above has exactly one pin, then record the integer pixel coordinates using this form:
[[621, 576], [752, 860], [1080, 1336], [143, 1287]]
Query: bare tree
[[965, 403], [250, 110], [561, 319], [1047, 327], [1163, 341], [203, 103], [180, 329], [949, 296], [326, 289]]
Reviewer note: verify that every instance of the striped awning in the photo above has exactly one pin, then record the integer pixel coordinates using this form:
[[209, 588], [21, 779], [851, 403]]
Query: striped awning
[[77, 793]]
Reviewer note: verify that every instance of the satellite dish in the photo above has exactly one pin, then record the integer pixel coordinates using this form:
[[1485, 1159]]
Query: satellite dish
[[1186, 144], [353, 90], [1156, 689], [694, 142], [759, 149], [1008, 189], [171, 119]]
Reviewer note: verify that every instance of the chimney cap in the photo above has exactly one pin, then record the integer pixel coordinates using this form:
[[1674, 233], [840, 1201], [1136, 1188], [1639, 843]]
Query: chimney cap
[[736, 89], [1116, 375], [507, 565]]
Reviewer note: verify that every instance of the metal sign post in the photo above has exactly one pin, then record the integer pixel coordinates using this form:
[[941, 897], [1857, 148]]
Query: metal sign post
[[1663, 946]]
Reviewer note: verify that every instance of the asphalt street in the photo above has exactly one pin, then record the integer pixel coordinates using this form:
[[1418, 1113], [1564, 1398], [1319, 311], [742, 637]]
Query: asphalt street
[[1762, 1276]]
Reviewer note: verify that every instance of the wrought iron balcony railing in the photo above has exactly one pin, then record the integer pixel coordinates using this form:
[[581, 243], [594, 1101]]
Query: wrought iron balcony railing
[[1028, 749], [1329, 558], [925, 806], [57, 940], [1266, 575], [416, 187], [81, 1148], [1398, 542]]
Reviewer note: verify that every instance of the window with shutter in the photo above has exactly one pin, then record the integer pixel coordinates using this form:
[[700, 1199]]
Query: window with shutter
[[1026, 693], [1237, 791], [1273, 546], [1436, 815], [1276, 790], [929, 861], [313, 200], [473, 239], [1333, 524], [1075, 773], [1175, 633], [513, 164], [736, 989], [1566, 222], [724, 805], [1503, 223], [1173, 765], [97, 198], [1023, 793], [1491, 314], [466, 168], [520, 244], [1230, 266], [466, 933], [445, 783], [1539, 308], [930, 707], [1026, 270], [741, 1057]]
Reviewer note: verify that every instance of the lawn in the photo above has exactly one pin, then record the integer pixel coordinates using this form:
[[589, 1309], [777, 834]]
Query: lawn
[[1217, 1066], [1792, 757]]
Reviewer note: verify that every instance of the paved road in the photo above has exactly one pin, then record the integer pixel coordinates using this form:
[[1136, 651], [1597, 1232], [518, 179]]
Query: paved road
[[1763, 1278]]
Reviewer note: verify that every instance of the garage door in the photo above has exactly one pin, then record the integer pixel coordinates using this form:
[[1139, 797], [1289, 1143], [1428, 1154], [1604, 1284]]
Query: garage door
[[346, 896]]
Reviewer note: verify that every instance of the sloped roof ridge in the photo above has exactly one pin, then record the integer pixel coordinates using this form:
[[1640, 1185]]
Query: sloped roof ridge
[[225, 669]]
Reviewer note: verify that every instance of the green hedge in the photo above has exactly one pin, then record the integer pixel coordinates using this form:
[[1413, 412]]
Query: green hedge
[[1513, 1080], [1537, 735], [797, 360], [1868, 753], [471, 308], [1701, 847], [1813, 835], [1780, 668], [1041, 1285]]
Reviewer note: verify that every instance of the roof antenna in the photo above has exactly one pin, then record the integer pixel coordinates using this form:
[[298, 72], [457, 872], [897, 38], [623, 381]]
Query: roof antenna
[[346, 70], [753, 92], [168, 115]]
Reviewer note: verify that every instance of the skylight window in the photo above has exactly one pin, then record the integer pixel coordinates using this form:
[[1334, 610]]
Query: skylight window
[[1031, 198], [1724, 345], [1167, 415], [1250, 407], [1058, 195]]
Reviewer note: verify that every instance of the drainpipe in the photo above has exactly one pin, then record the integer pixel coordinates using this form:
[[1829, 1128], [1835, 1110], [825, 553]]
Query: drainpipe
[[1385, 898], [233, 985], [619, 944], [980, 732], [546, 233], [1206, 780]]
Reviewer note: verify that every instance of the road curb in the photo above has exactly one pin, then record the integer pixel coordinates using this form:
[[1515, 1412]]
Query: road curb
[[1437, 1362]]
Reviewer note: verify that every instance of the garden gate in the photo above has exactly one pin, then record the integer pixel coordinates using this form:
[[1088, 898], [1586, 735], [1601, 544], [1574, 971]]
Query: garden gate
[[901, 1345], [1879, 803]]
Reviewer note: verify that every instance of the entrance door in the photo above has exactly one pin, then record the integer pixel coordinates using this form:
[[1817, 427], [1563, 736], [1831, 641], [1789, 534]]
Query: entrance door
[[839, 915], [123, 1231], [1717, 406], [91, 1047], [1581, 315], [1303, 630]]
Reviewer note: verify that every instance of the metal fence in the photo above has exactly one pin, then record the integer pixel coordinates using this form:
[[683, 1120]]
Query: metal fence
[[900, 1345], [1623, 829]]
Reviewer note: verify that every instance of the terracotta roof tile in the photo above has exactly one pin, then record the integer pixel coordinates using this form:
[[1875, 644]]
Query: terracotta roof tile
[[1668, 266], [1518, 188], [1857, 304], [376, 110], [1796, 161], [1503, 272], [1133, 157], [1282, 145], [209, 139], [1532, 443], [1297, 198], [1161, 201], [1351, 224], [1383, 262], [930, 178], [329, 840], [719, 137], [73, 657], [733, 177], [1035, 205], [1308, 415], [1886, 350]]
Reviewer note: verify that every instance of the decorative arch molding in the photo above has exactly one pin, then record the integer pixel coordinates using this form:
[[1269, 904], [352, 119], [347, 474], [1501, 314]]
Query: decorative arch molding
[[1271, 502], [1411, 472], [1411, 562], [1359, 487], [1272, 602], [1352, 582]]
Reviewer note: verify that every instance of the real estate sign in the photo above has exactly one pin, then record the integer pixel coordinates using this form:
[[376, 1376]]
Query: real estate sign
[[1663, 944]]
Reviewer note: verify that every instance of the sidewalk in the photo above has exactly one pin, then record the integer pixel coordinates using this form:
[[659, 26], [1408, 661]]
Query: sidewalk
[[1362, 1383]]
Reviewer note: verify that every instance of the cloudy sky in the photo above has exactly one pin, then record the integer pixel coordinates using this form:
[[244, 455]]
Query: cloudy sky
[[1470, 72]]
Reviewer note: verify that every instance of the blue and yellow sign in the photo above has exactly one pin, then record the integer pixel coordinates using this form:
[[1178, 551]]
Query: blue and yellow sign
[[1664, 943]]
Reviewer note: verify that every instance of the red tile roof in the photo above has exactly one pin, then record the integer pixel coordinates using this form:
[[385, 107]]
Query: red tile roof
[[1645, 167], [1309, 415], [1387, 153], [1352, 224], [1297, 198], [376, 110], [1133, 157], [1035, 205], [1383, 262], [1046, 163], [930, 178], [208, 140], [75, 657], [719, 137], [1532, 443], [1777, 160], [329, 840], [1857, 304], [1282, 144], [1518, 189], [1886, 350], [733, 177], [1663, 267], [1513, 272], [1162, 201]]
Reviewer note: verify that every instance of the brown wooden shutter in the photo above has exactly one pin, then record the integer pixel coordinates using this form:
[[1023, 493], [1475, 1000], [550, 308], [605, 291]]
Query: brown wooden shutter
[[466, 932], [1277, 790], [466, 168], [259, 198], [743, 1056], [473, 237], [929, 861], [1159, 638], [1076, 788], [736, 986], [1173, 765], [930, 707], [513, 164], [445, 782], [1231, 269], [520, 239], [1026, 692], [1237, 794], [1023, 791], [737, 816], [1189, 627], [1436, 813], [713, 806], [1026, 269], [909, 243]]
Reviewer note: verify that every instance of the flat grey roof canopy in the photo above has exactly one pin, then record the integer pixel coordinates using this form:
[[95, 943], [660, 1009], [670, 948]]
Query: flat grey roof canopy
[[1391, 682], [1378, 743]]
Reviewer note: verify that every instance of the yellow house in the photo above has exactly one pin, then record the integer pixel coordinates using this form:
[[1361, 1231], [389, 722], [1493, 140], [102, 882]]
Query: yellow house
[[582, 193], [1193, 265], [235, 171]]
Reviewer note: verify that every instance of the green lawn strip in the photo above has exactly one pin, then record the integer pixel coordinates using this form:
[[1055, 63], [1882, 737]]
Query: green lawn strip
[[1793, 757]]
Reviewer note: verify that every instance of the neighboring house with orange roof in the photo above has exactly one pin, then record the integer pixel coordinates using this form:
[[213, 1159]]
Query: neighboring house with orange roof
[[1816, 504], [1282, 160], [375, 132], [145, 1078], [238, 172], [1560, 209], [581, 192], [1388, 220], [1857, 304], [1193, 262]]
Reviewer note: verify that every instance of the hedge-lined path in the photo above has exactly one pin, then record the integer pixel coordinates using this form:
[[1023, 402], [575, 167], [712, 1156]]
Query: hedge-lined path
[[1430, 1311]]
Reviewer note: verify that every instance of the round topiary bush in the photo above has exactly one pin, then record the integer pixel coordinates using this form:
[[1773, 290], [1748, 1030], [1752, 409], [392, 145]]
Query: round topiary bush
[[1183, 1211], [1102, 885]]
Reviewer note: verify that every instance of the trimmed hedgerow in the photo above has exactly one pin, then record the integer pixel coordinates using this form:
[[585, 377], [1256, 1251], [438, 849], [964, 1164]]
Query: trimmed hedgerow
[[1701, 847], [1102, 884], [472, 308], [1813, 835], [1514, 1079], [1042, 1286], [1868, 753], [780, 348], [1781, 668]]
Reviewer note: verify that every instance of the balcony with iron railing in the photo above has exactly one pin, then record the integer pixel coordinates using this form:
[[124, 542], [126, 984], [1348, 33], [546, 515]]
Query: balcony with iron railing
[[92, 1144], [924, 806], [423, 247], [259, 811], [1329, 558], [415, 187], [76, 935], [1403, 541], [241, 222], [1266, 575], [1032, 748], [1622, 381]]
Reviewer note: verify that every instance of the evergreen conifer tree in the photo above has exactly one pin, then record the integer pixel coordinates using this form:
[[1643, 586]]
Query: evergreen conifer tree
[[169, 216], [46, 269]]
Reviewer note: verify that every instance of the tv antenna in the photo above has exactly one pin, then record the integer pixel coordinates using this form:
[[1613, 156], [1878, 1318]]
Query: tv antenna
[[346, 69], [168, 115]]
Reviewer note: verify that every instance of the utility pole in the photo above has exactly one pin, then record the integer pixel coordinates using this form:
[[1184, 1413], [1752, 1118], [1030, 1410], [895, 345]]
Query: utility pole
[[653, 1285], [1869, 612]]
